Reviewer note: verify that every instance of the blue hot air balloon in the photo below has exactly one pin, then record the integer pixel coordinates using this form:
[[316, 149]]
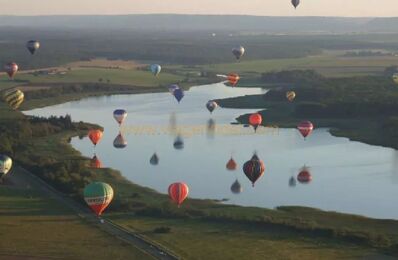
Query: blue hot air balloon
[[155, 69], [178, 94]]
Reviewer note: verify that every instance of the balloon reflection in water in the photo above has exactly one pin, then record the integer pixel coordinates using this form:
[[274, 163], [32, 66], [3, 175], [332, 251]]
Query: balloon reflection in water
[[292, 182], [178, 143], [119, 142], [236, 188], [154, 159], [211, 128], [304, 176], [95, 162]]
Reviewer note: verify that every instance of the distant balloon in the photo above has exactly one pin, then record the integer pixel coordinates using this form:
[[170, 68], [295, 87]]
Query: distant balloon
[[5, 164], [211, 128], [304, 176], [98, 196], [155, 69], [305, 128], [11, 69], [120, 115], [295, 3], [231, 165], [178, 94], [172, 88], [32, 46], [395, 77], [290, 95], [254, 169], [233, 79], [178, 192], [119, 142], [95, 162], [211, 105], [236, 188], [292, 182], [255, 120], [14, 98], [95, 136], [178, 143], [154, 159], [238, 52]]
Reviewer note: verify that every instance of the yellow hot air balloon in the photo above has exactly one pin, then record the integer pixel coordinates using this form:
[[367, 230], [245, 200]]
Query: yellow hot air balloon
[[14, 98], [395, 78], [290, 95]]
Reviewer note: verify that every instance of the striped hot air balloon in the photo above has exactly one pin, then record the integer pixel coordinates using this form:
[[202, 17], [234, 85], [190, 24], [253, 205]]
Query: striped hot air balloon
[[290, 95], [14, 98], [178, 192], [98, 196], [11, 69], [5, 164], [305, 128], [120, 115], [254, 169]]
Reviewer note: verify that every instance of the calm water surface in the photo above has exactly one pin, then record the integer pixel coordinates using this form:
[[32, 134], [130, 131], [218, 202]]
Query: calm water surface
[[347, 176]]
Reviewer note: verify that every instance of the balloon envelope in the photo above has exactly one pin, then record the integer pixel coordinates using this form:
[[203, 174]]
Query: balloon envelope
[[11, 69], [305, 128], [254, 169], [233, 79], [211, 105], [95, 136], [120, 115], [154, 159], [304, 176], [14, 98], [178, 192], [5, 164], [178, 143], [33, 46], [295, 3], [290, 95], [231, 165], [236, 188], [98, 196], [238, 52], [119, 142], [255, 120], [178, 94], [155, 69]]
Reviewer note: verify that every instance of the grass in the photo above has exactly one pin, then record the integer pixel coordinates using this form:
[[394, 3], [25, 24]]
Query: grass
[[36, 226]]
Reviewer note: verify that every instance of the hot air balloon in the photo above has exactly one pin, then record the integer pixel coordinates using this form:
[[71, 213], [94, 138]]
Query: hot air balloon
[[295, 3], [233, 79], [290, 95], [11, 69], [98, 196], [155, 69], [172, 88], [95, 162], [236, 188], [178, 143], [238, 52], [395, 77], [32, 46], [254, 169], [304, 176], [231, 165], [5, 164], [95, 136], [211, 105], [119, 142], [305, 128], [178, 192], [14, 98], [255, 120], [154, 159], [178, 94], [120, 115], [292, 182]]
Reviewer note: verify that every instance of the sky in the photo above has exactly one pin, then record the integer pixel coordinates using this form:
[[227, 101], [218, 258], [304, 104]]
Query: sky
[[354, 8]]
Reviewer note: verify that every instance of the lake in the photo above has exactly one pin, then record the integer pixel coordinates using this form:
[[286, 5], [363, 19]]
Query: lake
[[349, 177]]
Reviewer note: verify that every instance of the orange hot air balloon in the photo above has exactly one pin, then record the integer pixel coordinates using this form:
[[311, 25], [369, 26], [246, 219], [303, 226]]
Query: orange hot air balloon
[[233, 79], [95, 136], [178, 192], [255, 120], [11, 69], [231, 165], [305, 128], [95, 163]]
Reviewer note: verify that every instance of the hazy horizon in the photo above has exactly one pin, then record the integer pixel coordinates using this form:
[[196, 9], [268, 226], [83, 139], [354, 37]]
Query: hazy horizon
[[355, 8]]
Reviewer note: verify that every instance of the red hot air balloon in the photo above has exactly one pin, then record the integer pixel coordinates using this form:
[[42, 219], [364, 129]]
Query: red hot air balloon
[[11, 68], [255, 120], [304, 176], [95, 136], [178, 192], [233, 79], [231, 165], [305, 128], [254, 169]]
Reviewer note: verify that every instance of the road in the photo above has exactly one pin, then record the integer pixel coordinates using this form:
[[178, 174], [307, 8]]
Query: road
[[24, 179]]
